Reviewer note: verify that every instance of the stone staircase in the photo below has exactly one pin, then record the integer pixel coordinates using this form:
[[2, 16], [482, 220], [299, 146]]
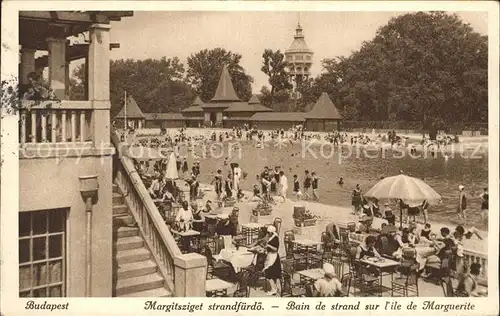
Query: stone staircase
[[135, 273]]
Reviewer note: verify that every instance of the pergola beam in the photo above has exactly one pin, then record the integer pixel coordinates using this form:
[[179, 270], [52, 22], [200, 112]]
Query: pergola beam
[[75, 52]]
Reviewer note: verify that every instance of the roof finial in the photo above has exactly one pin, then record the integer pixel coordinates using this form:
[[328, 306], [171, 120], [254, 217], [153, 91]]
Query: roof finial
[[298, 19]]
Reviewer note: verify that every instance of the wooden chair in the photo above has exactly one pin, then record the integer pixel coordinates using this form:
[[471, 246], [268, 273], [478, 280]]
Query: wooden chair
[[447, 287], [346, 283], [289, 288], [406, 283], [297, 259], [243, 289], [338, 267], [214, 266], [255, 273]]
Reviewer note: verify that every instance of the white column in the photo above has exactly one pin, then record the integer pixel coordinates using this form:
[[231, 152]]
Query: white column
[[57, 66], [98, 82], [27, 64]]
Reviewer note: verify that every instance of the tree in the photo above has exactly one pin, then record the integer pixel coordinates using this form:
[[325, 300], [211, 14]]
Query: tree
[[280, 102], [274, 66], [204, 69], [156, 84], [424, 66]]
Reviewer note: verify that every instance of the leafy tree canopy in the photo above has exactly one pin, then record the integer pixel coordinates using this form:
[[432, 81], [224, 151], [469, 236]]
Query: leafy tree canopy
[[156, 84], [424, 66], [204, 69]]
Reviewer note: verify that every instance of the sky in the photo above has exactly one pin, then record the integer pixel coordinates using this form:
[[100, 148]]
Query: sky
[[328, 34]]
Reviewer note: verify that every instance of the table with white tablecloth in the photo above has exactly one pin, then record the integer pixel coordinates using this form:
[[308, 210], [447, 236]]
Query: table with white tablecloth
[[239, 258]]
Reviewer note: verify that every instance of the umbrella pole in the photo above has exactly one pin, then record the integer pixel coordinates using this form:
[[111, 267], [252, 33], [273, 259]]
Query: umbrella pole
[[400, 218]]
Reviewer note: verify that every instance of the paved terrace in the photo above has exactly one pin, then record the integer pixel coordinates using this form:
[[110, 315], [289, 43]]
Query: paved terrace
[[328, 214]]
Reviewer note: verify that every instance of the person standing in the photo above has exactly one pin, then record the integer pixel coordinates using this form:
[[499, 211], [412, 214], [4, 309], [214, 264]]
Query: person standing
[[283, 185], [228, 186], [484, 204], [356, 199], [296, 187], [462, 204], [237, 176], [217, 181], [272, 265], [307, 185], [315, 187], [425, 207]]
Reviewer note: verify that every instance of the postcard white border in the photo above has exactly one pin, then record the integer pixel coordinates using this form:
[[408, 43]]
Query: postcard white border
[[11, 304]]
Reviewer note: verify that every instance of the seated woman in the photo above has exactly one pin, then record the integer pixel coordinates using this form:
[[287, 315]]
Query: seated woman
[[329, 285], [467, 285], [184, 217], [332, 236], [368, 249], [226, 227], [365, 224], [208, 207], [439, 265], [389, 216], [256, 193], [426, 232]]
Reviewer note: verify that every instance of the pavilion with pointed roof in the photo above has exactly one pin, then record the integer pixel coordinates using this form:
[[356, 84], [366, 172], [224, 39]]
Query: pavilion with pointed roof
[[226, 109], [132, 114]]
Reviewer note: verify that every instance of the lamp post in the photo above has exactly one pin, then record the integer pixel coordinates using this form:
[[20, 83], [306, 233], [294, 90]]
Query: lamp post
[[89, 186]]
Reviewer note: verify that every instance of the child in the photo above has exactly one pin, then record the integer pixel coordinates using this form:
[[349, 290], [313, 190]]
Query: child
[[296, 187], [426, 232]]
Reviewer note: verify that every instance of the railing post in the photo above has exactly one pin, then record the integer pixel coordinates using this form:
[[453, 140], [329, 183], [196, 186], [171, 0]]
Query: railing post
[[190, 275]]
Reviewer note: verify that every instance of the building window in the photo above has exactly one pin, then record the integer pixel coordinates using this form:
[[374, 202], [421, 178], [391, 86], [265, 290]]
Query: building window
[[299, 57], [308, 57], [42, 253]]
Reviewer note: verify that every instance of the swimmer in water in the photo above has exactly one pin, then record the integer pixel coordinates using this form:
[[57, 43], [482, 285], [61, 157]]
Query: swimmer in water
[[341, 181]]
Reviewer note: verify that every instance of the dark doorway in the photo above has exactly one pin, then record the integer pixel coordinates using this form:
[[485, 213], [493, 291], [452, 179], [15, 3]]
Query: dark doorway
[[213, 118]]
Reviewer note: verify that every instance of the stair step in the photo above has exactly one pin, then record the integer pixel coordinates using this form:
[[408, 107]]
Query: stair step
[[128, 243], [124, 220], [138, 284], [159, 292], [117, 198], [120, 209], [132, 255], [135, 269], [125, 231]]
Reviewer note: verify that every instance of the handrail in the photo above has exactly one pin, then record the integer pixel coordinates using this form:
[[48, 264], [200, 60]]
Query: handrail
[[152, 226]]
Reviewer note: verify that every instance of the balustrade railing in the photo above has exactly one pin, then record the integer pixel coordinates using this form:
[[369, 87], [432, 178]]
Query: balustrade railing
[[471, 257], [152, 226], [55, 122]]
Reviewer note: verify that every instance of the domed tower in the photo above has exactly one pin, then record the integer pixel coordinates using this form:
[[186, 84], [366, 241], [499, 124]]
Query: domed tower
[[299, 58]]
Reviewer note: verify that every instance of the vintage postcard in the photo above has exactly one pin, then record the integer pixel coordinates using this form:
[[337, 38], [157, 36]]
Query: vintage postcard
[[294, 156]]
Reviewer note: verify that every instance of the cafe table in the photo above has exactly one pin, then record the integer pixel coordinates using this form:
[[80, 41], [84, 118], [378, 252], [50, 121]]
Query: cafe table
[[383, 266], [308, 247], [187, 237], [238, 257], [310, 276]]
